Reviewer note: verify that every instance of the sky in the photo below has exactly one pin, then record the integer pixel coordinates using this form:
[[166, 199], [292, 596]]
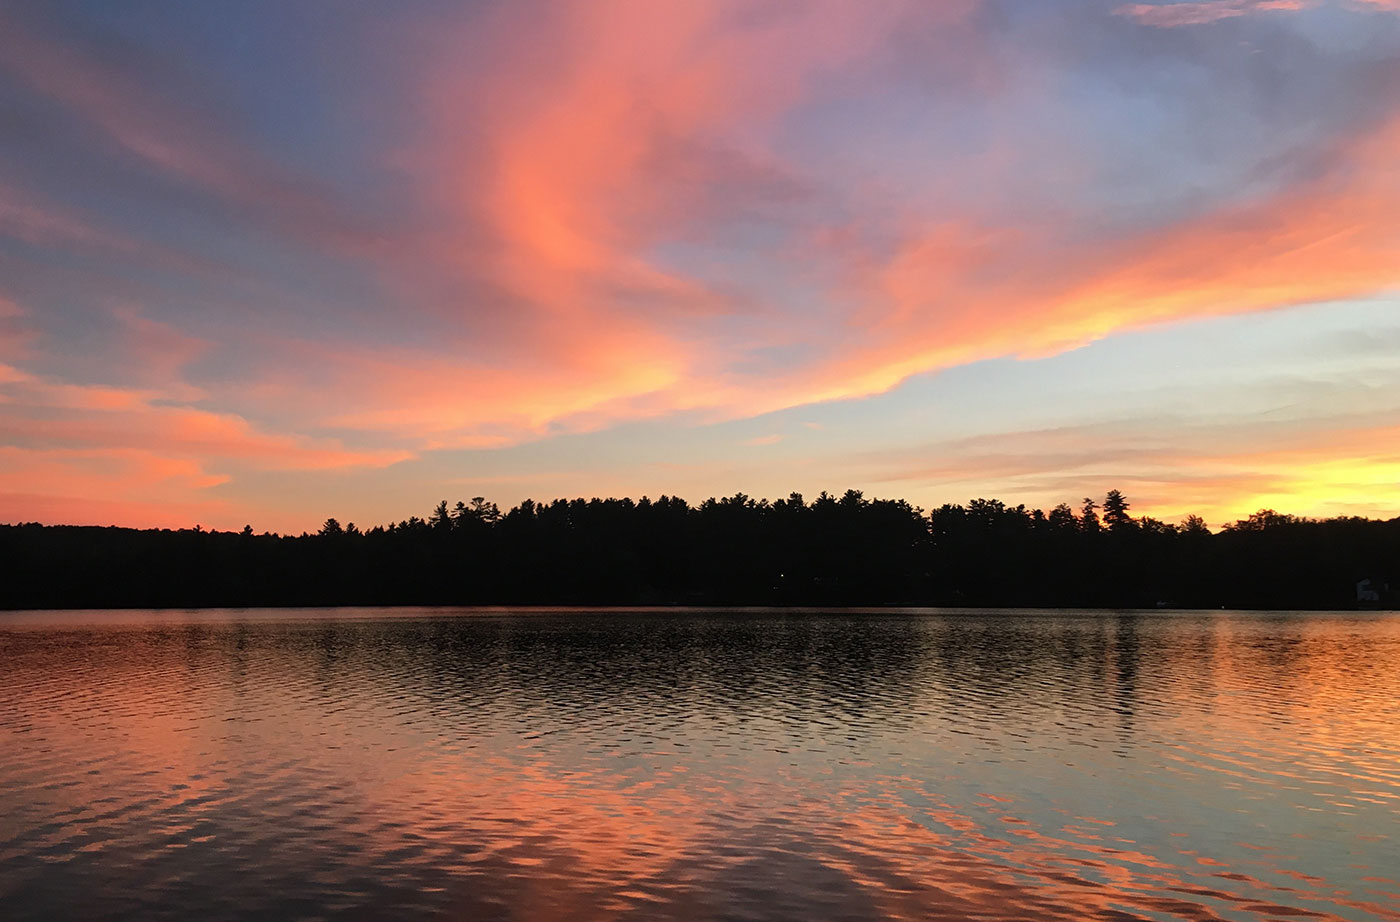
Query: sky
[[268, 262]]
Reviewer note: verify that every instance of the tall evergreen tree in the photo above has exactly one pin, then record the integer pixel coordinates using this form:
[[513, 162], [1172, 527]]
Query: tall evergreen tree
[[1089, 516], [1115, 511]]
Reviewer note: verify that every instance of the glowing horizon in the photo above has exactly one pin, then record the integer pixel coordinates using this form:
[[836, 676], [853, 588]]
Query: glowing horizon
[[264, 263]]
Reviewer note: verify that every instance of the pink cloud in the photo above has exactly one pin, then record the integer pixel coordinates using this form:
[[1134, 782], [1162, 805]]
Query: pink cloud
[[644, 112], [16, 333], [1204, 12], [1173, 15], [23, 218], [571, 194]]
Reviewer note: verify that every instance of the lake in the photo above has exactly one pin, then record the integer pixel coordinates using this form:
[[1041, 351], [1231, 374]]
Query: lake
[[699, 765]]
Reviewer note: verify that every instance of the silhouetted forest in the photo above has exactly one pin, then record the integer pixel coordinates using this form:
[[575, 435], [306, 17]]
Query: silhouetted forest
[[845, 550]]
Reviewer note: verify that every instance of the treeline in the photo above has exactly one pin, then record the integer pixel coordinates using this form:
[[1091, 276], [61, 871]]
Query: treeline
[[846, 550]]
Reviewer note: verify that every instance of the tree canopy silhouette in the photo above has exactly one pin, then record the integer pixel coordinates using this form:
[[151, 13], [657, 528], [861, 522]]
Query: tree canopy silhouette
[[735, 550]]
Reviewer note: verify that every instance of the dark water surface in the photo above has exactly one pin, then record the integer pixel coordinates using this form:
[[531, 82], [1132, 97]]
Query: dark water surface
[[699, 765]]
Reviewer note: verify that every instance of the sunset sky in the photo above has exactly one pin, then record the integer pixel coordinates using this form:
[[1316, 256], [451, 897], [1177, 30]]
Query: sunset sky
[[267, 262]]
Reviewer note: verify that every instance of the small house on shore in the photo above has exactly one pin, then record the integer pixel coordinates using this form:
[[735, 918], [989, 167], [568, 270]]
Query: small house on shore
[[1372, 591]]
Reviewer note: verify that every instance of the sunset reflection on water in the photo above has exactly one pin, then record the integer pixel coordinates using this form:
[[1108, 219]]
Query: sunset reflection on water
[[700, 765]]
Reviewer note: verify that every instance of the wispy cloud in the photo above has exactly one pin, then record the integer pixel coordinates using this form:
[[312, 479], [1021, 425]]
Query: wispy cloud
[[1172, 15], [1222, 468]]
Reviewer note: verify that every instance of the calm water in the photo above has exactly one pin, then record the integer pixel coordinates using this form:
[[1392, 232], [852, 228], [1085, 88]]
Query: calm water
[[699, 765]]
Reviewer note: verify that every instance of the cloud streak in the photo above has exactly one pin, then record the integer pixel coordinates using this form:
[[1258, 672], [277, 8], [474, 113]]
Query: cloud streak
[[1204, 12], [1174, 15], [1222, 469]]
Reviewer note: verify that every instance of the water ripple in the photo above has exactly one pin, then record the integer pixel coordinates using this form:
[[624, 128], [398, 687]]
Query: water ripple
[[699, 765]]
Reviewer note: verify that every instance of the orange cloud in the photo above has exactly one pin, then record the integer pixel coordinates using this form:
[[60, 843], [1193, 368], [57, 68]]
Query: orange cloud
[[152, 463], [113, 419], [571, 192], [86, 503], [108, 486], [958, 294], [555, 184]]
